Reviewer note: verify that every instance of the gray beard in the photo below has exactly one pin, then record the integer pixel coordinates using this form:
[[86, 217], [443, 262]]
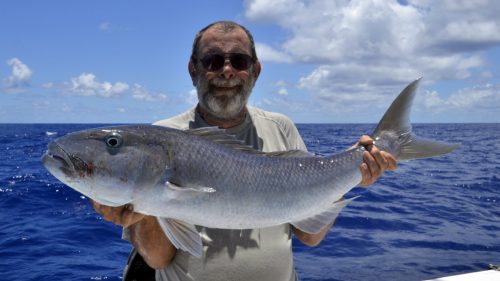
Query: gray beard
[[228, 106]]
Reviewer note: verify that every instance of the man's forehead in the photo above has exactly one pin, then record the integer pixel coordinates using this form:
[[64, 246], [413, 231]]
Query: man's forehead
[[217, 38]]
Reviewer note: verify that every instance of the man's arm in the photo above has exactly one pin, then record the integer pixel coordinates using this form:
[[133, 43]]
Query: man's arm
[[146, 235], [311, 240], [375, 163]]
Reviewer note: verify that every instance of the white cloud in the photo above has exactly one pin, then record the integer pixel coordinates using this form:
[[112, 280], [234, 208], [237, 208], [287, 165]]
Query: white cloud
[[48, 85], [268, 10], [350, 92], [285, 103], [281, 83], [192, 98], [105, 26], [141, 93], [370, 49], [41, 105], [267, 53], [109, 27], [282, 88], [283, 92], [87, 85], [67, 108], [20, 75], [479, 97]]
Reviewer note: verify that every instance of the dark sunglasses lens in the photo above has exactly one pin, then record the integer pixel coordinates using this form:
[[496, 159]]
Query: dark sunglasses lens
[[241, 61], [213, 62], [216, 62]]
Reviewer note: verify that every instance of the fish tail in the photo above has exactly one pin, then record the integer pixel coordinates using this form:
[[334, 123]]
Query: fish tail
[[394, 131]]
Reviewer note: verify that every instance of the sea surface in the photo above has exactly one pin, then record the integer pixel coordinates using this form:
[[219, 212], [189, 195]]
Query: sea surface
[[430, 218]]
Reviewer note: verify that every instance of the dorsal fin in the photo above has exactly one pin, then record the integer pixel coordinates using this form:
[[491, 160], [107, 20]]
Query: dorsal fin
[[290, 153], [221, 136]]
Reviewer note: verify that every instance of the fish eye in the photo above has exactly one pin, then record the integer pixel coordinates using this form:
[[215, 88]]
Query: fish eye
[[113, 140]]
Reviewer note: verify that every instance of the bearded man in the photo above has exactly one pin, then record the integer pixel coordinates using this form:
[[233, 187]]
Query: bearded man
[[224, 68]]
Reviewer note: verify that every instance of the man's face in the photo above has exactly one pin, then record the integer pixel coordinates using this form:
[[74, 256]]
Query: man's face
[[223, 92]]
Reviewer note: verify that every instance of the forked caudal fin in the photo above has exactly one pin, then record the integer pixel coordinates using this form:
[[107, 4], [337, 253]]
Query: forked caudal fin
[[394, 131]]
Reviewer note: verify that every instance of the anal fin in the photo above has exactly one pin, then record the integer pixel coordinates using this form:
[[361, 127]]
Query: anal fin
[[319, 221], [183, 236]]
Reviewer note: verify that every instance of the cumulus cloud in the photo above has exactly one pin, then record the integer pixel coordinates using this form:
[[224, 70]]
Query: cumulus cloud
[[105, 26], [478, 97], [20, 75], [109, 27], [66, 108], [86, 84], [48, 85], [141, 93], [282, 90], [268, 53], [192, 98], [285, 103], [373, 48]]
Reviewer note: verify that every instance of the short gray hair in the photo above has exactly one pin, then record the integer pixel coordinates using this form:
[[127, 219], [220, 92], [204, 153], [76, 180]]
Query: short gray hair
[[226, 26]]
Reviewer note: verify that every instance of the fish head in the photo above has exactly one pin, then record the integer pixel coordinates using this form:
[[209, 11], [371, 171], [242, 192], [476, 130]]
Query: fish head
[[113, 166]]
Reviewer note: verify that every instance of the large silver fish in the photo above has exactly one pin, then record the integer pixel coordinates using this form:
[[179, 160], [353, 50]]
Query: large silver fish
[[205, 177]]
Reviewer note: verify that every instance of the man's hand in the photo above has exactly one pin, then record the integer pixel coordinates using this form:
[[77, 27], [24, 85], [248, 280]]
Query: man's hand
[[123, 215], [146, 234], [375, 161]]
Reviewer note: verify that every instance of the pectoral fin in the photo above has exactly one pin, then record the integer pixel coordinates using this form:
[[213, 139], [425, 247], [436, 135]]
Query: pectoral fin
[[183, 236], [201, 189], [185, 193], [317, 222]]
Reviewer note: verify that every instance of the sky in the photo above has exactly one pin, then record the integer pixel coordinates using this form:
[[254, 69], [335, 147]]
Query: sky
[[323, 61]]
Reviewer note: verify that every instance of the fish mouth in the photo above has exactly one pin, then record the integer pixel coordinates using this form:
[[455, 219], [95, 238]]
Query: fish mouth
[[56, 157]]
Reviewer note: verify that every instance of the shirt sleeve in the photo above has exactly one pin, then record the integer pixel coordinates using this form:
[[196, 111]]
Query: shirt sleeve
[[296, 141], [291, 132]]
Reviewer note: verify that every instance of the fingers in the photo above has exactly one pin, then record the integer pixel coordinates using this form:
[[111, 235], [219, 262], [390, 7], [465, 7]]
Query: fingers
[[123, 215], [392, 163], [370, 170], [365, 174], [376, 162]]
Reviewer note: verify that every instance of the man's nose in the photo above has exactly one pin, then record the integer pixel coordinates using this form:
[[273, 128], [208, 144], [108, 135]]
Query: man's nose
[[227, 70]]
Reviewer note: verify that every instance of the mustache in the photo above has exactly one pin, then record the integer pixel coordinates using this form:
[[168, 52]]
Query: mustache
[[220, 82]]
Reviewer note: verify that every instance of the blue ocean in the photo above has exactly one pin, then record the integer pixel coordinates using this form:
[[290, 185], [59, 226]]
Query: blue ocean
[[428, 219]]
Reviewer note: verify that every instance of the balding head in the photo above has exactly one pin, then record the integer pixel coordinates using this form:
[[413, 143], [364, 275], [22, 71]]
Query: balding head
[[223, 27]]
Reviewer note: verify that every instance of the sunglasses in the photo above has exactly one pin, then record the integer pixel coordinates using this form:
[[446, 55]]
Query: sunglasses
[[215, 62]]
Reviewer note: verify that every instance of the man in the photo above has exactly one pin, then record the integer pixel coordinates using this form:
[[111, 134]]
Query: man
[[224, 68]]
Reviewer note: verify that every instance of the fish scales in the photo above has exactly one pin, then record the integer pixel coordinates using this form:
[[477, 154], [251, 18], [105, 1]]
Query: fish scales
[[251, 189]]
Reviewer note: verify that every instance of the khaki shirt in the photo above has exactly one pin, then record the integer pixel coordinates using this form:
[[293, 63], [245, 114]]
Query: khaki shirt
[[249, 254]]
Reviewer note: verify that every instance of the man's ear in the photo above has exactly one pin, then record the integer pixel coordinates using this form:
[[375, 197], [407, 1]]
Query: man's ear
[[192, 70], [257, 68]]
